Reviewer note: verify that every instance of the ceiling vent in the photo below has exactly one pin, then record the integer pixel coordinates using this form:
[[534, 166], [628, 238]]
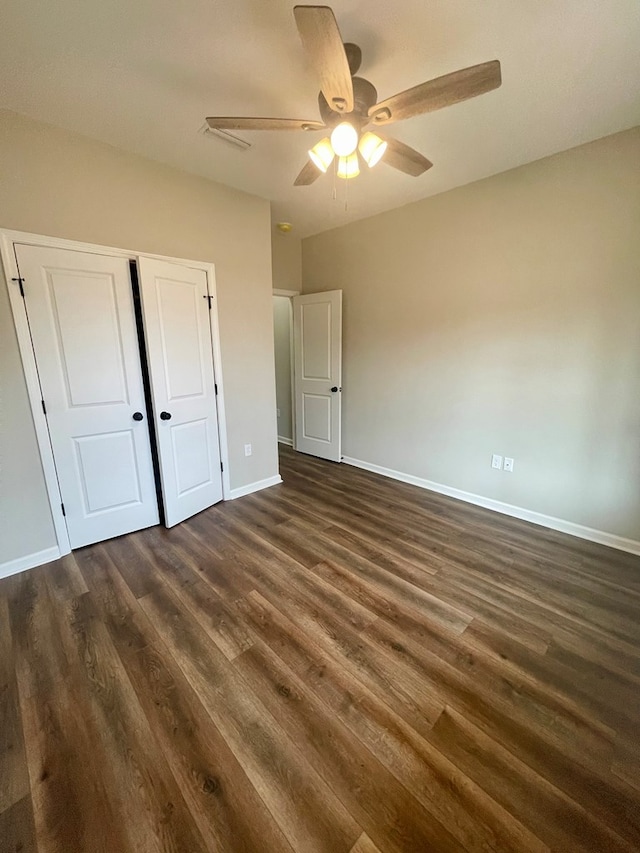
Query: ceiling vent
[[225, 136]]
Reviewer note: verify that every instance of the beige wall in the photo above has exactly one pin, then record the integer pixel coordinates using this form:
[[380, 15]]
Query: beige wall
[[282, 339], [286, 254], [65, 185], [502, 317], [26, 526]]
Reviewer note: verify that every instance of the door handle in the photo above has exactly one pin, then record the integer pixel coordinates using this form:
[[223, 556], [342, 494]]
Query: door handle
[[138, 416], [165, 416], [334, 389]]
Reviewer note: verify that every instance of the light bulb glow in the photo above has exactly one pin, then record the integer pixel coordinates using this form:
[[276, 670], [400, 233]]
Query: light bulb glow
[[348, 166], [322, 154], [344, 139], [372, 148]]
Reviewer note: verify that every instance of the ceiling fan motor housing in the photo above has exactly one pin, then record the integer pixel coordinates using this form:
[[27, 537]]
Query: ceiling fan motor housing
[[364, 97]]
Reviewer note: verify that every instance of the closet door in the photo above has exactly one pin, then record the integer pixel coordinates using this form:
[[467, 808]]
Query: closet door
[[175, 308], [82, 323]]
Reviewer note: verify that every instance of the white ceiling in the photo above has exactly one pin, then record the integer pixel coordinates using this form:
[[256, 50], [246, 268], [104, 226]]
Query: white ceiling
[[143, 74]]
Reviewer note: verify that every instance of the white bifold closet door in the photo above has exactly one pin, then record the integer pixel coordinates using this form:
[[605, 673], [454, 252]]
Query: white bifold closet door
[[83, 329], [176, 312]]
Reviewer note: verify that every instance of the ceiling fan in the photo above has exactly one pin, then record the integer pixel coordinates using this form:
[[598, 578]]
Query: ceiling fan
[[349, 105]]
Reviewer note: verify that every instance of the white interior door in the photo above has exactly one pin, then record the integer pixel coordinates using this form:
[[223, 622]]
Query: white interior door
[[175, 307], [317, 339], [82, 324]]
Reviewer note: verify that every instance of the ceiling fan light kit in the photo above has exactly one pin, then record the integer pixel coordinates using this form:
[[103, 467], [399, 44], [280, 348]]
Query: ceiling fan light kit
[[348, 167], [372, 148], [344, 139], [348, 104], [322, 154]]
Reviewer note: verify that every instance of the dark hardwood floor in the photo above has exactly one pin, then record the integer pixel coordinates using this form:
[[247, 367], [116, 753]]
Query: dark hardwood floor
[[340, 663]]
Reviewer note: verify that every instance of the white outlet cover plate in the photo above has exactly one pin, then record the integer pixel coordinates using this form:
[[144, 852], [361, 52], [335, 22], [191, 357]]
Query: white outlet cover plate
[[496, 461]]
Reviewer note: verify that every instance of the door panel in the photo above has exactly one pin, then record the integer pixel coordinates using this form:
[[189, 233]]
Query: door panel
[[317, 332], [316, 417], [87, 327], [175, 307], [114, 451], [82, 323]]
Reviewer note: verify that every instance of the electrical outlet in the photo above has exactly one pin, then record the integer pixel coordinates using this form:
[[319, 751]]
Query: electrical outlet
[[508, 463], [278, 413], [247, 450], [496, 461]]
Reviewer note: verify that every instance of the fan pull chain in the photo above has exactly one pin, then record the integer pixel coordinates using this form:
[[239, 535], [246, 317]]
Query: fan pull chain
[[334, 194]]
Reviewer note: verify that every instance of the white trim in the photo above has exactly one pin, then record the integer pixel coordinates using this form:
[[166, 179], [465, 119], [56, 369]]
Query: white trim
[[287, 441], [241, 491], [29, 561], [289, 294], [29, 239], [632, 546], [217, 378]]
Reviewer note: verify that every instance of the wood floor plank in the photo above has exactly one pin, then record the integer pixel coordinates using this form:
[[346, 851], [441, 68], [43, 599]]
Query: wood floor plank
[[340, 664], [40, 659], [444, 792], [125, 621], [17, 830], [565, 755], [216, 562], [277, 574], [143, 789], [309, 814], [74, 793], [65, 579], [555, 818], [132, 564], [364, 845], [229, 813], [13, 761], [362, 783]]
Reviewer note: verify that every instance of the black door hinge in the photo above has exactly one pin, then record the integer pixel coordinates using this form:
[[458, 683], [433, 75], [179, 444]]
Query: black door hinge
[[20, 283], [63, 512], [215, 386], [209, 299], [44, 408], [221, 467]]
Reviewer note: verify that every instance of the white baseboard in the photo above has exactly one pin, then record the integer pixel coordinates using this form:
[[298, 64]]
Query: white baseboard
[[241, 491], [29, 561], [600, 536], [287, 441]]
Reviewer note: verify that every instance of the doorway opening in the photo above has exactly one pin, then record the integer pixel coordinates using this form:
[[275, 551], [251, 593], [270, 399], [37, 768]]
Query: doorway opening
[[308, 356], [283, 347]]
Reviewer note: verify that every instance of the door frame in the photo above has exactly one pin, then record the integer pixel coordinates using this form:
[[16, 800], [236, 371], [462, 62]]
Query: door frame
[[289, 294], [18, 309]]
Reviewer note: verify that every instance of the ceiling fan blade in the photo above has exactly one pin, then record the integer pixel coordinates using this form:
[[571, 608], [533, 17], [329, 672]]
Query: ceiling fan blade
[[404, 158], [247, 123], [322, 40], [308, 175], [441, 92]]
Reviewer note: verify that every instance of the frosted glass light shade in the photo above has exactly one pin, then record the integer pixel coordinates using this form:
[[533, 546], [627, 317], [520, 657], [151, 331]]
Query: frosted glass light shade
[[348, 166], [344, 139], [322, 154], [372, 148]]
